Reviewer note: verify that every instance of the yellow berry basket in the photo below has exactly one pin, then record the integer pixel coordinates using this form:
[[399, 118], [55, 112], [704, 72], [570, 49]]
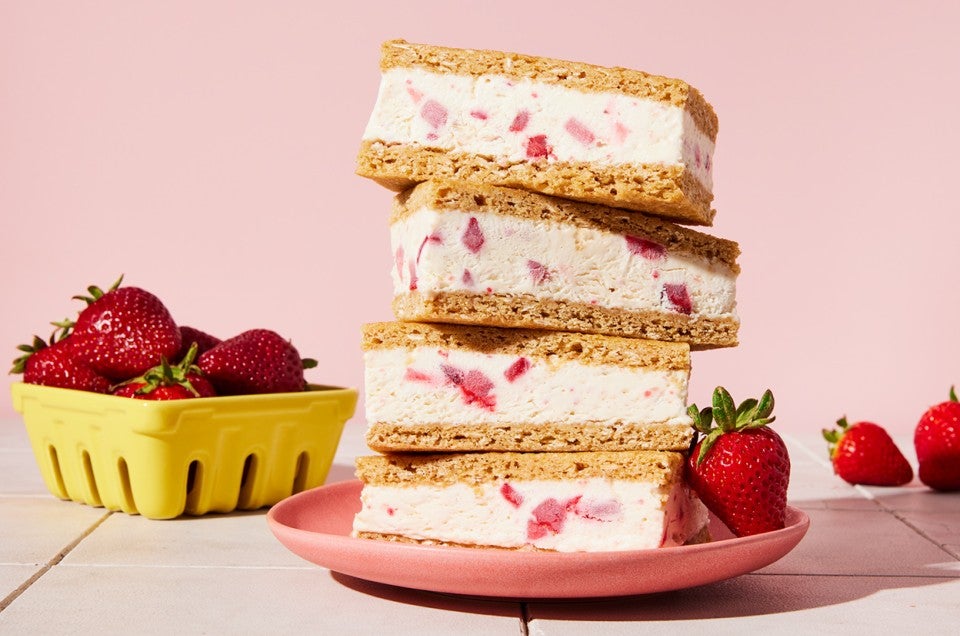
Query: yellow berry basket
[[161, 459]]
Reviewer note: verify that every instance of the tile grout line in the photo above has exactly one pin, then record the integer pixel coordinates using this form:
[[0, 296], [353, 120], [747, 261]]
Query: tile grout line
[[902, 519], [946, 577], [10, 598], [878, 501]]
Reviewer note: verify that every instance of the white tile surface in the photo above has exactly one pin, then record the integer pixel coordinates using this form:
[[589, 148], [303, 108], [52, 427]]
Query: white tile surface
[[873, 544], [755, 604], [37, 529], [20, 473], [874, 559], [211, 600], [229, 540]]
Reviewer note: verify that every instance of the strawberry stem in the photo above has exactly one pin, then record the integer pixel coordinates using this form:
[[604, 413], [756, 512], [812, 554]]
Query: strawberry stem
[[750, 414], [96, 293], [833, 435], [166, 375]]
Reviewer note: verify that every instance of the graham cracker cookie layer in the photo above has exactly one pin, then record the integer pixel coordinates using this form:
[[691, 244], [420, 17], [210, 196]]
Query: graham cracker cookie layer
[[441, 195], [580, 347], [580, 436], [444, 469], [526, 311], [670, 192], [575, 75]]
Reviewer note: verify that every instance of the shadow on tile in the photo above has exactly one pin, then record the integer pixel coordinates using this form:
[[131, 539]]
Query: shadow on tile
[[435, 600], [747, 595], [851, 550]]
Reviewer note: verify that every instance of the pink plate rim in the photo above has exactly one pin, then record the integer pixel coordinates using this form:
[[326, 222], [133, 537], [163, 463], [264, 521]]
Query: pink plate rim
[[315, 525]]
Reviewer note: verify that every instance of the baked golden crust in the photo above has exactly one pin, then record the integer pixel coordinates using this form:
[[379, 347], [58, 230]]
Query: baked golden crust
[[526, 311], [557, 345], [666, 191], [552, 437], [443, 469]]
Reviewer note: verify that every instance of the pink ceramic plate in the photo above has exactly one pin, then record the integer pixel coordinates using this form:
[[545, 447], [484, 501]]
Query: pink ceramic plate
[[315, 524]]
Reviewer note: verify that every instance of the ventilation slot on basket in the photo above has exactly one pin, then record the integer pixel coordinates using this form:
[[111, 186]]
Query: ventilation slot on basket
[[91, 480], [247, 482], [57, 475], [125, 488], [194, 485], [303, 468]]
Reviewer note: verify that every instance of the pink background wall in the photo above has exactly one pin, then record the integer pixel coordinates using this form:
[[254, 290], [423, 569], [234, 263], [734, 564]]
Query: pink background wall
[[206, 150]]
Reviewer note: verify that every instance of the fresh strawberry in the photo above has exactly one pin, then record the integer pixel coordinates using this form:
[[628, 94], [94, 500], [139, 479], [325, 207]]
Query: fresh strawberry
[[255, 361], [189, 335], [865, 454], [937, 441], [740, 469], [166, 382], [125, 331], [56, 364]]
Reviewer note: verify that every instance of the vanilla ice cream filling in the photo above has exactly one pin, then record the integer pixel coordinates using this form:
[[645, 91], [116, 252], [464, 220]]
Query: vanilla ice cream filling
[[455, 387], [583, 515], [498, 116], [488, 253]]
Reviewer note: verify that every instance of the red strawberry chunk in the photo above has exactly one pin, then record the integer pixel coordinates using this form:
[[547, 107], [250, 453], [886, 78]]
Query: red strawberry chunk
[[509, 493], [678, 296], [621, 131], [520, 121], [412, 375], [414, 94], [538, 272], [431, 238], [474, 386], [579, 131], [537, 147], [604, 510], [434, 113], [478, 114], [645, 248], [473, 237], [413, 275], [515, 370], [548, 518], [467, 278], [453, 374]]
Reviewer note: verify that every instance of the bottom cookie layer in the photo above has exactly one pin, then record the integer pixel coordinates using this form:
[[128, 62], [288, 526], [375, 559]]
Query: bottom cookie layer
[[666, 191], [529, 437], [497, 310]]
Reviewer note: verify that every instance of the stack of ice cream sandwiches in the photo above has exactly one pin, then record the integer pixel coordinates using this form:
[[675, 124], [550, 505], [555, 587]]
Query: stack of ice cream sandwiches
[[532, 392]]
